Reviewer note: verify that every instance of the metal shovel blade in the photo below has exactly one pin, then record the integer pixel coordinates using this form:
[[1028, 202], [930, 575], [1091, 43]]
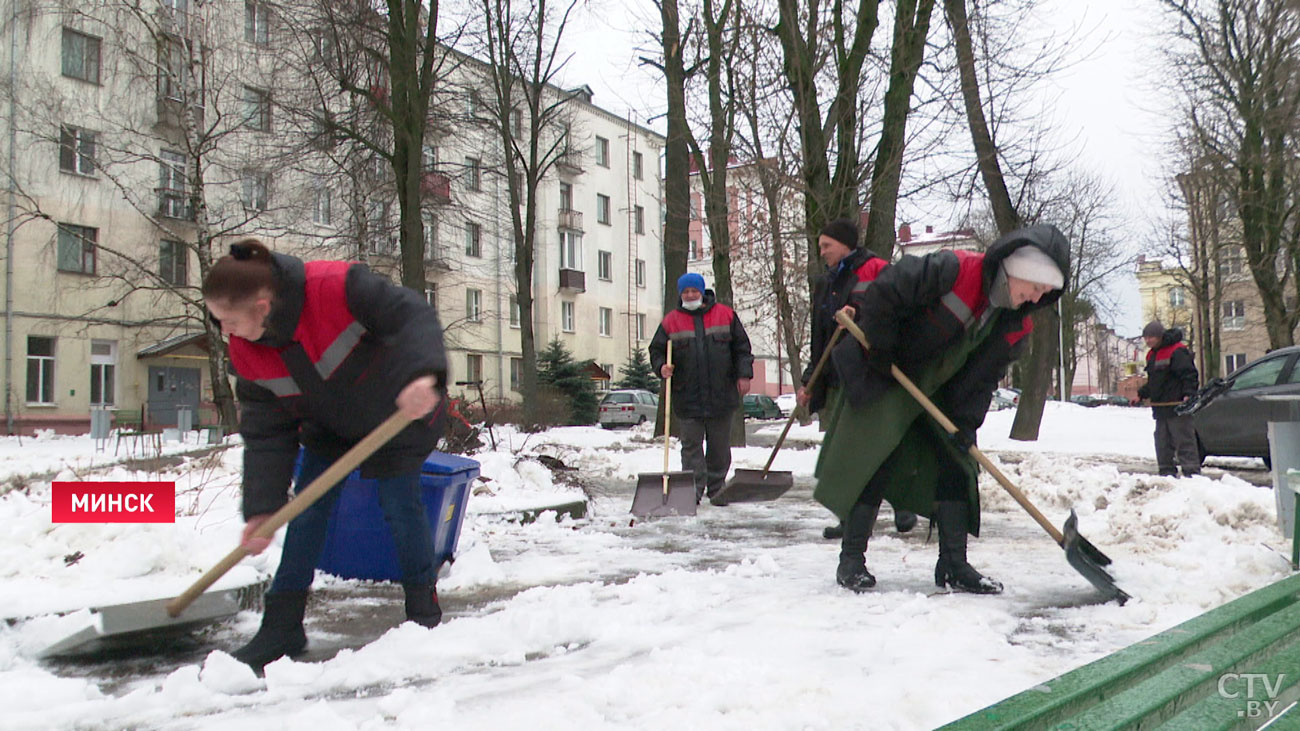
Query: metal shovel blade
[[137, 623], [753, 486], [652, 500], [1077, 554]]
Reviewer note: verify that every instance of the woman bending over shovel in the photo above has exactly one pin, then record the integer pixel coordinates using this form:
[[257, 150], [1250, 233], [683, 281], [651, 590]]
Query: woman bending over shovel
[[953, 321], [324, 351]]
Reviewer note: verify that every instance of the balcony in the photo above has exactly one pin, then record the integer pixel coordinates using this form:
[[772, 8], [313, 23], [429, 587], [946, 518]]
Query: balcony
[[573, 280], [174, 204], [436, 188], [570, 220], [171, 110], [569, 161]]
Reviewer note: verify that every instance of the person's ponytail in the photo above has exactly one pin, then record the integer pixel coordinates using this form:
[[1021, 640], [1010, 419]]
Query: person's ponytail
[[242, 274]]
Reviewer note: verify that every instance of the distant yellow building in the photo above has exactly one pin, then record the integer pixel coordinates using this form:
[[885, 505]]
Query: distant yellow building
[[1165, 295]]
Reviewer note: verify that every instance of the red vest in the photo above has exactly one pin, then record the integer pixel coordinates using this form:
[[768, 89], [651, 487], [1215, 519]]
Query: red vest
[[680, 324], [326, 330]]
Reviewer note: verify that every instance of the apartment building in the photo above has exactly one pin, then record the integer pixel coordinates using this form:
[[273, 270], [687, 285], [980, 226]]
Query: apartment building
[[121, 112]]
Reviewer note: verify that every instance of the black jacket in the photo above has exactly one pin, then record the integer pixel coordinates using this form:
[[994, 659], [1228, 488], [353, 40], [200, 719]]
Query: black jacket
[[832, 292], [710, 353], [1171, 374], [908, 316], [384, 337]]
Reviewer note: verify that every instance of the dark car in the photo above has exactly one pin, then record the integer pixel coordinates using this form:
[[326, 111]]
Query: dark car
[[761, 406], [1085, 399], [1115, 399], [1234, 423]]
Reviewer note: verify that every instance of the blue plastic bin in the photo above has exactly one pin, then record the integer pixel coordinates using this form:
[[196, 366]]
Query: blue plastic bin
[[358, 544]]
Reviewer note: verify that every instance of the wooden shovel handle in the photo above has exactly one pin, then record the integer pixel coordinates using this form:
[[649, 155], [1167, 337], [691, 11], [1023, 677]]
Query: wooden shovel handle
[[817, 371], [303, 500], [668, 413], [951, 428]]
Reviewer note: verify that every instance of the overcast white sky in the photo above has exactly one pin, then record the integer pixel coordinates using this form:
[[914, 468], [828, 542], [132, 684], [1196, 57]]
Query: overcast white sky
[[1105, 106]]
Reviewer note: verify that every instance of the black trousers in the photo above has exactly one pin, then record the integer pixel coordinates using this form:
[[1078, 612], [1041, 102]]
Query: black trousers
[[706, 451]]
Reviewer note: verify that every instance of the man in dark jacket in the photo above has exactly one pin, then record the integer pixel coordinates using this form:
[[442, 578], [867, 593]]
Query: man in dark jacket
[[712, 368], [1171, 379], [849, 271], [324, 352], [953, 321]]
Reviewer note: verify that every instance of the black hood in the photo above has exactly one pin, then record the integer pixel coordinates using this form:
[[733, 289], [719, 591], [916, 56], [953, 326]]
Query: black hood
[[290, 284], [1172, 335], [1046, 237]]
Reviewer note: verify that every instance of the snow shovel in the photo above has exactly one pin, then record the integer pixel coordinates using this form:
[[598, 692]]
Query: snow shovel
[[1086, 558], [667, 493], [752, 486], [154, 615]]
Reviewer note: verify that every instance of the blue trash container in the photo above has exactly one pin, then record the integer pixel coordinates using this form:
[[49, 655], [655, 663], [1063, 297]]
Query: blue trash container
[[358, 544]]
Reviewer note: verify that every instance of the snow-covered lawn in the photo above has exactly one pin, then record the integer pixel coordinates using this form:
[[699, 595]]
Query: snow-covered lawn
[[731, 619]]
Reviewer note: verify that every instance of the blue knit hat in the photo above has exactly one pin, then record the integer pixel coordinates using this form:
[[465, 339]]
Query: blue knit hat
[[690, 279]]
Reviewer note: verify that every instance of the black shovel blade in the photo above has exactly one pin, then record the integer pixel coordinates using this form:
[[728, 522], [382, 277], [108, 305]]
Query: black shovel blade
[[752, 486], [651, 500], [1082, 556]]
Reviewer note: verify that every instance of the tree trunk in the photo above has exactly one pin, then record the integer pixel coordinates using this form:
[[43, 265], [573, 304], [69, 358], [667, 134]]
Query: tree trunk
[[1037, 374], [677, 184]]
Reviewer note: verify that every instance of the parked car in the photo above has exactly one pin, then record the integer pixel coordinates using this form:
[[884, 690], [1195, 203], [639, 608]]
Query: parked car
[[627, 407], [1235, 422], [787, 402], [1086, 399], [1004, 398], [1115, 399], [761, 406]]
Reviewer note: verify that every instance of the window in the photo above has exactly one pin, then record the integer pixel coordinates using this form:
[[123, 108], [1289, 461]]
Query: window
[[103, 370], [76, 150], [473, 240], [566, 196], [640, 326], [40, 370], [695, 250], [173, 201], [429, 158], [602, 209], [514, 310], [80, 56], [321, 211], [570, 250], [1234, 315], [431, 294], [1231, 261], [640, 273], [473, 367], [602, 152], [173, 262], [638, 216], [77, 248], [605, 265], [257, 23], [1264, 373], [637, 166], [606, 321], [603, 384], [516, 372], [1177, 297], [257, 109], [175, 76], [517, 122], [255, 190], [474, 304], [566, 316], [1233, 362], [474, 173]]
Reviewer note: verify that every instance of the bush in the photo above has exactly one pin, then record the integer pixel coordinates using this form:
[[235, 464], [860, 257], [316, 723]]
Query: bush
[[637, 373], [557, 369]]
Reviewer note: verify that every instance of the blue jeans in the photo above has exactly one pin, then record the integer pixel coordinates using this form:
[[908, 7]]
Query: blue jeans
[[399, 498]]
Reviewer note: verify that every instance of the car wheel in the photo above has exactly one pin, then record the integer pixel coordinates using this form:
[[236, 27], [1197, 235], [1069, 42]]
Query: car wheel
[[641, 420], [606, 426]]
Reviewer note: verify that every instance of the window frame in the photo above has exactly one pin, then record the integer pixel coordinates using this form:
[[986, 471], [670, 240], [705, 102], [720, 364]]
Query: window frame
[[88, 239], [45, 372], [568, 317], [638, 165], [602, 151], [106, 379], [258, 34], [473, 240], [89, 68], [605, 320], [180, 265], [473, 304], [603, 207], [77, 147], [605, 265], [571, 250]]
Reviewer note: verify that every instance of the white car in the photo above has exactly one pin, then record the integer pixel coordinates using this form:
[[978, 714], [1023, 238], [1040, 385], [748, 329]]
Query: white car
[[787, 402]]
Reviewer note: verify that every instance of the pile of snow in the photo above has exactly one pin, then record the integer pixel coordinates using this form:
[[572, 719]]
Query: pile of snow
[[727, 620]]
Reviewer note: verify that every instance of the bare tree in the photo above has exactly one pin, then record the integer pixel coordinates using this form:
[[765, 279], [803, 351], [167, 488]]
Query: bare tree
[[1238, 66]]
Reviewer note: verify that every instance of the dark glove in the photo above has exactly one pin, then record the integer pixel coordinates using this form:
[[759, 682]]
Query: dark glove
[[1143, 393], [963, 439]]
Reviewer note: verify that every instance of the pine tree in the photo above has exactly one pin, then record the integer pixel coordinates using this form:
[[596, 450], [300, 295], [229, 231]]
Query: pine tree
[[637, 373], [557, 369]]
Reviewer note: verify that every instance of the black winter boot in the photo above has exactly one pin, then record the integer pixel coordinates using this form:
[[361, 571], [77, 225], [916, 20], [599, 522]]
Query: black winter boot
[[281, 632], [852, 572], [952, 570], [833, 531], [904, 520], [422, 604]]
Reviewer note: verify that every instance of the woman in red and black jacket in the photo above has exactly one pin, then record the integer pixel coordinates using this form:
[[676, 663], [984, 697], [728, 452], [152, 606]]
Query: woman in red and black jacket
[[954, 321], [324, 351]]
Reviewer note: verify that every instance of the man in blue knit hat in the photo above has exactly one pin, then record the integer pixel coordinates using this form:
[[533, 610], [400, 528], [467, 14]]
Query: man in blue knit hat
[[711, 370]]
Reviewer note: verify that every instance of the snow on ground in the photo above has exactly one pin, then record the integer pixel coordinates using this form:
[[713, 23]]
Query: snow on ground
[[731, 619]]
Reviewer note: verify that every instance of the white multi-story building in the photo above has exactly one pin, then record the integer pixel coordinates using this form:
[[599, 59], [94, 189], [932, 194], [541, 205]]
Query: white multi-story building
[[102, 161]]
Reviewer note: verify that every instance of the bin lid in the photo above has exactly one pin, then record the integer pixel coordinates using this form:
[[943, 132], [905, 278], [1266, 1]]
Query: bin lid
[[441, 463]]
